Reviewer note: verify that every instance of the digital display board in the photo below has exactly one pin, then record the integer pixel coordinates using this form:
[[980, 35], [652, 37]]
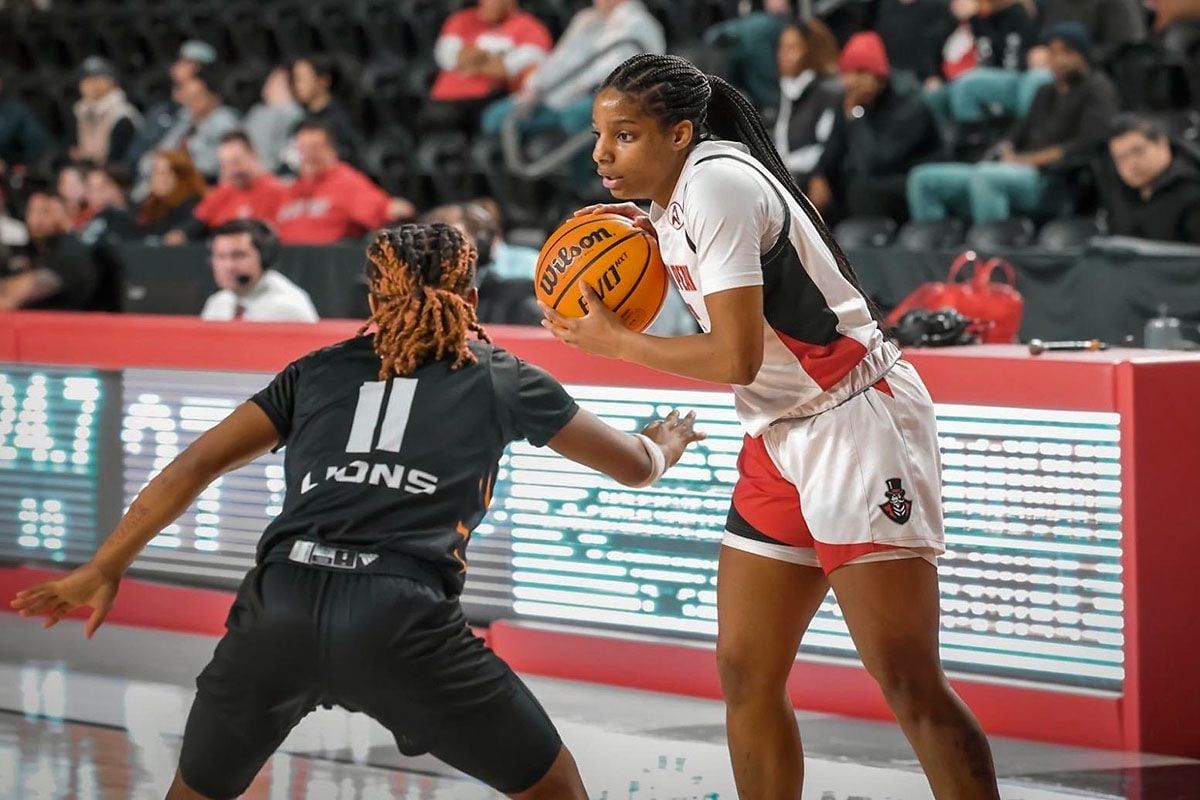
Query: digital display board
[[1031, 584], [49, 462]]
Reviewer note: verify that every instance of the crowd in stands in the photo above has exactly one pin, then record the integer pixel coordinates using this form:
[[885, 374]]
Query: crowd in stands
[[323, 121]]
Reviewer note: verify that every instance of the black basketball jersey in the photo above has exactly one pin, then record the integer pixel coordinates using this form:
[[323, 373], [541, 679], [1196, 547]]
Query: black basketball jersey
[[404, 465]]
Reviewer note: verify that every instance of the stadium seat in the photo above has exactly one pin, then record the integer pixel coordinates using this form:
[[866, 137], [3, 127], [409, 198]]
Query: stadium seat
[[931, 235], [249, 38], [865, 232], [242, 86], [389, 158], [677, 19], [290, 29], [336, 29], [1061, 235], [444, 163], [386, 96], [1148, 78], [1002, 234], [385, 29]]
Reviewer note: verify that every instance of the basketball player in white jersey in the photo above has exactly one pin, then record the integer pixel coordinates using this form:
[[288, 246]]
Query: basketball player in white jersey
[[839, 476]]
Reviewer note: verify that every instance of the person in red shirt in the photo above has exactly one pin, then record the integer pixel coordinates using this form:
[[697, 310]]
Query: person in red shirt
[[484, 53], [331, 200], [245, 191]]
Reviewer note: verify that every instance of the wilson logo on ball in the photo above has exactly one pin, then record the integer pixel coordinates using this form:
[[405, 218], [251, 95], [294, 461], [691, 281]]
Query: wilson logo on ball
[[569, 255]]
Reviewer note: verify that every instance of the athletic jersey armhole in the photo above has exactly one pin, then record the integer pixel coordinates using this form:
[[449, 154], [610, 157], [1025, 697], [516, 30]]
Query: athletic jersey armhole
[[784, 229]]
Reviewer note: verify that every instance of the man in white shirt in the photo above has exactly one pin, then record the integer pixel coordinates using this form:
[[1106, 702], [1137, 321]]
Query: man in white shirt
[[243, 252]]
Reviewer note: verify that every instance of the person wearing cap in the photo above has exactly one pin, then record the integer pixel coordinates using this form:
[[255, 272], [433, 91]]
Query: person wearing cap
[[105, 121], [1064, 128], [884, 131], [160, 118]]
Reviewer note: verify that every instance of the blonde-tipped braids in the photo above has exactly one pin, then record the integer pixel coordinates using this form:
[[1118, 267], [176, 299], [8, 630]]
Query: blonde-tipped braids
[[418, 277]]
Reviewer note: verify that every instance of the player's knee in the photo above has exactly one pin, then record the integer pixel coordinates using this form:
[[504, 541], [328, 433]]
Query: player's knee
[[744, 677], [562, 782], [908, 683]]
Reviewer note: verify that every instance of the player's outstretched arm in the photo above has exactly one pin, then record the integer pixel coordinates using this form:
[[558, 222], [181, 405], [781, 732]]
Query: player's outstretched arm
[[241, 437], [633, 460]]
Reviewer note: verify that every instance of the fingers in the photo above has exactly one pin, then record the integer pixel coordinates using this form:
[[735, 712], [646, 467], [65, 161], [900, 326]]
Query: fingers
[[590, 298], [96, 620], [554, 317], [24, 598], [40, 602], [60, 611]]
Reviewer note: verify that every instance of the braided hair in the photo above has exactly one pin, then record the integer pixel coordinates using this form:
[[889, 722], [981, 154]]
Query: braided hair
[[672, 89], [418, 276]]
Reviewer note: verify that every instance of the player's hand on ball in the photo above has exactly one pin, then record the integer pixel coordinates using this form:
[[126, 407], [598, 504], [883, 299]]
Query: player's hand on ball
[[84, 586], [640, 218], [598, 332], [673, 434]]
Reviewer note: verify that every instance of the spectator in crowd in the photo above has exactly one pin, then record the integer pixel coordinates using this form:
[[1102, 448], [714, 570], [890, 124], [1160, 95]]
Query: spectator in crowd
[[330, 200], [314, 79], [913, 32], [176, 187], [484, 53], [105, 121], [70, 187], [809, 95], [194, 55], [245, 190], [1157, 195], [1001, 34], [884, 130], [748, 43], [107, 189], [13, 232], [54, 270], [558, 95], [23, 140], [1065, 126], [243, 253], [202, 123], [1110, 24], [504, 299], [270, 123], [1169, 12]]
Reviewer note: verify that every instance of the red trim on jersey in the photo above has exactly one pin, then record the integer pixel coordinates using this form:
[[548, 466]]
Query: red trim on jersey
[[827, 364], [885, 387], [770, 504], [766, 499]]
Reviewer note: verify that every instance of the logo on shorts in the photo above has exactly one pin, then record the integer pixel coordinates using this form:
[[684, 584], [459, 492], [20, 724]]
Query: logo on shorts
[[898, 509], [675, 215]]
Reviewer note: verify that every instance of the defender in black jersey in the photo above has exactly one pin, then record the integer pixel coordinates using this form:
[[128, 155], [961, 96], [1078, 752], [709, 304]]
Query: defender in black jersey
[[393, 441]]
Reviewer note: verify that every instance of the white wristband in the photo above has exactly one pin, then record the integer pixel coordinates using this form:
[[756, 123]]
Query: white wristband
[[658, 460]]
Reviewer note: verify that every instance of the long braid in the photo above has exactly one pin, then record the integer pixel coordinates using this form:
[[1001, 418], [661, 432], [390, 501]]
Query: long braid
[[672, 89], [418, 276]]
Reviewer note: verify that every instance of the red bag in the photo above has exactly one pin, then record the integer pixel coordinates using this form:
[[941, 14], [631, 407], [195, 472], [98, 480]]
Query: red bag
[[998, 307]]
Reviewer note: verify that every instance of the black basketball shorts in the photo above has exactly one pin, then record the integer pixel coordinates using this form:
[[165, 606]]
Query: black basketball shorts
[[392, 647]]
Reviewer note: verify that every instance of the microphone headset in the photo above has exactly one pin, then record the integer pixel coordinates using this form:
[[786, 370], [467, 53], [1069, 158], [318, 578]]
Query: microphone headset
[[266, 242]]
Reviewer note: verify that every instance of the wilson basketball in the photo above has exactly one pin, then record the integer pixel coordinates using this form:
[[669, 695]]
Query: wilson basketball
[[620, 261]]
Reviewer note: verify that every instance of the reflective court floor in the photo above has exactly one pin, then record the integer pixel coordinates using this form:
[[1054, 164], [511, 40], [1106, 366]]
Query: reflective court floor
[[103, 719]]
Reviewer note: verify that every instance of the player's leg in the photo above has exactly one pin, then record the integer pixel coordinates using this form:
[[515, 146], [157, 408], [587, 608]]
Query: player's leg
[[181, 791], [562, 781], [262, 680], [891, 609], [764, 606], [408, 658]]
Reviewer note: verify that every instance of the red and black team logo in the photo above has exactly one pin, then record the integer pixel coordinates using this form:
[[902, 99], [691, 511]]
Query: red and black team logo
[[898, 509], [675, 215]]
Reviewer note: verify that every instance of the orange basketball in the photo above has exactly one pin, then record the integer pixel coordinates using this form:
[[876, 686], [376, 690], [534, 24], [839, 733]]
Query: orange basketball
[[620, 261]]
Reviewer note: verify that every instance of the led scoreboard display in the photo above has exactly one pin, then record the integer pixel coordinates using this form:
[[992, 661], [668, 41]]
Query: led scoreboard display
[[1031, 585]]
